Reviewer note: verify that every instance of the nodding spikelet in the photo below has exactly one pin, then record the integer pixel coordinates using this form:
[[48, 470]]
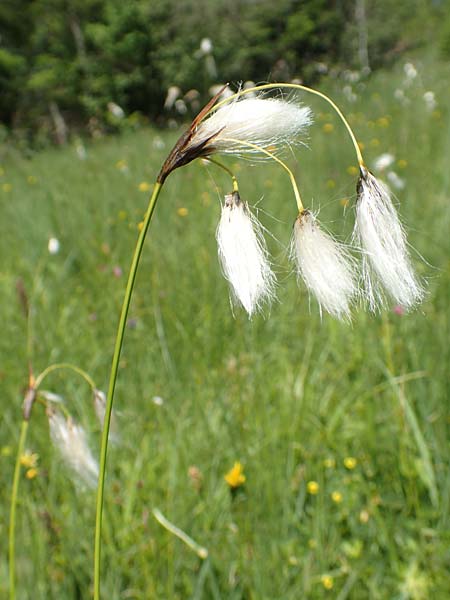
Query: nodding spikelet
[[385, 261], [70, 439], [265, 122], [243, 255], [324, 265]]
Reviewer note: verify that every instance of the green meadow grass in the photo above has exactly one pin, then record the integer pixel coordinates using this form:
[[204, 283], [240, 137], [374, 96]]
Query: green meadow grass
[[289, 394]]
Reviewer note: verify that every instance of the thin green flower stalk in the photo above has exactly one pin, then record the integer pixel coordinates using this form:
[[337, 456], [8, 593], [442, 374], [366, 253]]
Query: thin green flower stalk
[[238, 127], [31, 398]]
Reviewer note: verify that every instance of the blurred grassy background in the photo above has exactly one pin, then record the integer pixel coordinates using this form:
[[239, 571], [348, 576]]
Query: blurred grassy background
[[290, 395]]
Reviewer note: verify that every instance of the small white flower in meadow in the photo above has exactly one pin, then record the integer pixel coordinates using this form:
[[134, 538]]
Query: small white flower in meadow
[[206, 46], [399, 95], [383, 161], [116, 110], [325, 266], [180, 106], [172, 94], [265, 122], [410, 72], [380, 235], [81, 150], [349, 93], [243, 255], [430, 101], [70, 439], [395, 180], [53, 245], [157, 400]]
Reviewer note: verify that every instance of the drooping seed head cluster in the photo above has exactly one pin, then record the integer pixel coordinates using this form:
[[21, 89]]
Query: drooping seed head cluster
[[263, 126]]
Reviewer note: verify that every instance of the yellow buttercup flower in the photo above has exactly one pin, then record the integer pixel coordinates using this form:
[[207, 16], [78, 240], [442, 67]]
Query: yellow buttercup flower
[[350, 462], [31, 473], [235, 476], [328, 127], [182, 211], [29, 459], [336, 497], [327, 582], [144, 186], [352, 170], [312, 487]]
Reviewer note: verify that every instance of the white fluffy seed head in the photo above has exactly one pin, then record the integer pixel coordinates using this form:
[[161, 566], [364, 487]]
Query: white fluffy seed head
[[324, 265], [385, 261], [243, 255], [265, 122], [70, 439]]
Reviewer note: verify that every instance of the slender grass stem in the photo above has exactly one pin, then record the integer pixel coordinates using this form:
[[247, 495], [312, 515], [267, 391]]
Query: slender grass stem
[[12, 513], [280, 162], [57, 366], [226, 169], [112, 383], [304, 88]]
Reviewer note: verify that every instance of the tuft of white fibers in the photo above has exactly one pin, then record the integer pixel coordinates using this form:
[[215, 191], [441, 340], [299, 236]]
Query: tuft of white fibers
[[266, 122], [325, 266], [385, 261], [243, 255], [70, 439]]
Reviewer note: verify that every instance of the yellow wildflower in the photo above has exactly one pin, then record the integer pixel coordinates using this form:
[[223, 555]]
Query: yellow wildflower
[[336, 497], [374, 143], [328, 128], [144, 186], [182, 211], [383, 122], [29, 459], [329, 463], [312, 487], [350, 462], [6, 451], [6, 187], [235, 476], [122, 215], [352, 170], [31, 473], [327, 582], [402, 163], [32, 180], [344, 202], [331, 184]]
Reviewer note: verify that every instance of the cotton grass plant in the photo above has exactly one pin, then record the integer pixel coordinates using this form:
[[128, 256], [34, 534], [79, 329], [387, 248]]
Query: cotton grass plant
[[254, 125]]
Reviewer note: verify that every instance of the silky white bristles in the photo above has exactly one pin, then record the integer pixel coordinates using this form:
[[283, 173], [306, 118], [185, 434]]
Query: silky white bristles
[[265, 122], [243, 255], [325, 266], [380, 235], [70, 439]]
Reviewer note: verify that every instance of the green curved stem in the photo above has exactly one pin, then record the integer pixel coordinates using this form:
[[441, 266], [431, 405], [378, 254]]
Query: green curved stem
[[112, 384], [12, 513], [40, 378], [298, 198], [304, 88], [213, 161]]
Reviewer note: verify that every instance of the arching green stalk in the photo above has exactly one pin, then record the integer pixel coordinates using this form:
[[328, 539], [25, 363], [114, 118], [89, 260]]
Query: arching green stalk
[[57, 366], [112, 384], [12, 513], [294, 86], [279, 161], [226, 169]]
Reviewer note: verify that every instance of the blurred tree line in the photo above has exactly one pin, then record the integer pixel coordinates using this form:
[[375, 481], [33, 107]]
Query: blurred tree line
[[86, 64]]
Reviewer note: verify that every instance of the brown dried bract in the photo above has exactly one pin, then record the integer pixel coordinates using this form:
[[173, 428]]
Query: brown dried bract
[[184, 150]]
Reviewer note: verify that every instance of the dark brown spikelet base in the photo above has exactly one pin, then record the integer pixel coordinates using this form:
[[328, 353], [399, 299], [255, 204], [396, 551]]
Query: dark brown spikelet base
[[184, 151]]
